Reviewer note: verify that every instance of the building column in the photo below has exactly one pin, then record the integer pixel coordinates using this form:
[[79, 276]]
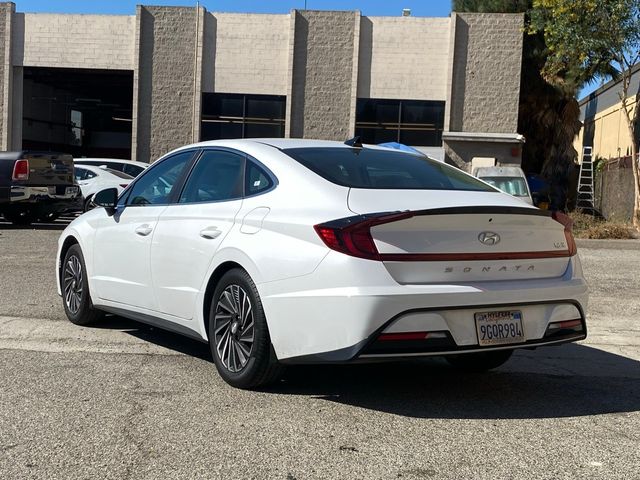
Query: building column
[[7, 9], [167, 80], [323, 73]]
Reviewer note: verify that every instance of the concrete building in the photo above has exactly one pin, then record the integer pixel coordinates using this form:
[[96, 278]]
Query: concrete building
[[604, 126], [139, 86]]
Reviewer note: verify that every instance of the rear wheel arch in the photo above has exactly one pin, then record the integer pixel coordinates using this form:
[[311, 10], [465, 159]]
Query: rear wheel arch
[[215, 277]]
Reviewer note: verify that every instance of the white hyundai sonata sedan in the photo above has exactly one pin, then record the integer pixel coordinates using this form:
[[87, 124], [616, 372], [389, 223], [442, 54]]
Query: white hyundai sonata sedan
[[300, 251]]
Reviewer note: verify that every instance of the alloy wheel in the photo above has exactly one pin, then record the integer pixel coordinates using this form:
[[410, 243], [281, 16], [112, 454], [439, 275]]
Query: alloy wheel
[[73, 284], [234, 328]]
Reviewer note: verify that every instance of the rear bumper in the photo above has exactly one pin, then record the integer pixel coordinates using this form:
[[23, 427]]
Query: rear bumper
[[341, 324], [450, 331], [57, 198]]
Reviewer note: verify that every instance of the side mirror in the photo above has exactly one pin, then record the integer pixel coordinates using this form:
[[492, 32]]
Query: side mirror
[[108, 199]]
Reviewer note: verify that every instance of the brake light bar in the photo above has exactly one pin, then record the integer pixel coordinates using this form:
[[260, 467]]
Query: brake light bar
[[21, 170], [352, 236]]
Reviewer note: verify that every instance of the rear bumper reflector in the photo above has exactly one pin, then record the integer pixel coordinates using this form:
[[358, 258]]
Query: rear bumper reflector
[[390, 337]]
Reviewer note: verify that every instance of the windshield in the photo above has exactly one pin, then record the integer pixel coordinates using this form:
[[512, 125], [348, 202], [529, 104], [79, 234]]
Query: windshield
[[516, 186], [383, 169]]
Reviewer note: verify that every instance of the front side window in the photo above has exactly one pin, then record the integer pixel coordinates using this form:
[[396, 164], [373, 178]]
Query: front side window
[[383, 169], [156, 185], [218, 176], [80, 173]]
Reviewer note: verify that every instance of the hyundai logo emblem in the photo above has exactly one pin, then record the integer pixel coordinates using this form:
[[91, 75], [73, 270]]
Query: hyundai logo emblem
[[489, 238]]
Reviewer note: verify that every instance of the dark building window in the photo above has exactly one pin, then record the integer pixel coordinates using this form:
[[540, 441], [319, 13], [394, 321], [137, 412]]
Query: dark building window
[[235, 115], [412, 122], [84, 112]]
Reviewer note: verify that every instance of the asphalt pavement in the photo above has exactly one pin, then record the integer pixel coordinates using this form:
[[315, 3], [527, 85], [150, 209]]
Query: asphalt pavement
[[126, 401]]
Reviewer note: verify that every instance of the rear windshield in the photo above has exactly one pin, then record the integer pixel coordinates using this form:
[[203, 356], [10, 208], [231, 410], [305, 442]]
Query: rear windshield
[[383, 169], [516, 186], [117, 173]]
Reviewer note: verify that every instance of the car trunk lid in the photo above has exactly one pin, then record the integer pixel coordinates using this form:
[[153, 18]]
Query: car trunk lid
[[438, 237]]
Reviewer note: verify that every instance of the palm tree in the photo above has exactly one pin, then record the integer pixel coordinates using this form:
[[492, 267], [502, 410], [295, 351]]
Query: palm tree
[[549, 115]]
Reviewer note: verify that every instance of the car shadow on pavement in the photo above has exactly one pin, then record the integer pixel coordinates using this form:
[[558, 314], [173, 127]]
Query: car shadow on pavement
[[157, 336], [554, 382], [566, 381], [33, 226]]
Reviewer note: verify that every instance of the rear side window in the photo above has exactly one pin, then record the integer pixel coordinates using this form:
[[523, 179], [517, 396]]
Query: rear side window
[[83, 174], [133, 170], [257, 180], [382, 169]]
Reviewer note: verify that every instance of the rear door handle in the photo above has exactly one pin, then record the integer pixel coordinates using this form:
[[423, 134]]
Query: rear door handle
[[210, 233], [144, 230]]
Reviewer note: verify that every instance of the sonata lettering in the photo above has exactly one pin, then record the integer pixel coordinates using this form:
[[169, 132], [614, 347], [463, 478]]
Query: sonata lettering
[[486, 269]]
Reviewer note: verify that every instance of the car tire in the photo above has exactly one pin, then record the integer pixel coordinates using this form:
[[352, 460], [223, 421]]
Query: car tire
[[87, 205], [479, 362], [238, 333], [76, 297], [24, 217], [49, 217]]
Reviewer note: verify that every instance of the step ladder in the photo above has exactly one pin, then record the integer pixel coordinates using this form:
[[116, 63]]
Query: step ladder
[[584, 199]]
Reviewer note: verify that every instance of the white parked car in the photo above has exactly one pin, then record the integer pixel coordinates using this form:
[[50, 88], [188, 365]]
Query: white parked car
[[300, 251], [130, 167], [511, 180], [94, 179]]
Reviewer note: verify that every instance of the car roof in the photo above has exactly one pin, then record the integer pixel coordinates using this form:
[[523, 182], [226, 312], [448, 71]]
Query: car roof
[[281, 143], [114, 160], [100, 170]]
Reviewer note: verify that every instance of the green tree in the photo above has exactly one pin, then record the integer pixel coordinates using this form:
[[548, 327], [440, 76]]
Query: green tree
[[593, 37], [548, 112]]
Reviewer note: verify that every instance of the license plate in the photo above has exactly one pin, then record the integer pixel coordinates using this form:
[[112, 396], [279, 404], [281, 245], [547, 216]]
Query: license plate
[[72, 190], [499, 328]]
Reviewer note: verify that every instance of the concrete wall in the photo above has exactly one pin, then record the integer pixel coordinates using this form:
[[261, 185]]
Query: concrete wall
[[487, 59], [166, 84], [250, 53], [403, 58], [74, 41], [614, 192], [6, 73], [324, 74]]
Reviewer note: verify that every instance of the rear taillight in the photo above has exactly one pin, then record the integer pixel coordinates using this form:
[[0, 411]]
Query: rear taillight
[[352, 236], [566, 221], [21, 170]]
